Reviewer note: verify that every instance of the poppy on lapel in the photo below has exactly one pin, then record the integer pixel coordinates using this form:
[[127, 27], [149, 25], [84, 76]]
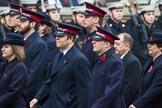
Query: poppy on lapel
[[103, 57], [150, 69]]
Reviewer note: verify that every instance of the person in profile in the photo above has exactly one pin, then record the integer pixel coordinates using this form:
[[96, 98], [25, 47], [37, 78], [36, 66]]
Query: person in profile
[[68, 84], [13, 73], [108, 73], [151, 82]]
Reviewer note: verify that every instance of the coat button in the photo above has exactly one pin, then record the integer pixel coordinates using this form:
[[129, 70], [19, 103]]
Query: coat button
[[4, 75]]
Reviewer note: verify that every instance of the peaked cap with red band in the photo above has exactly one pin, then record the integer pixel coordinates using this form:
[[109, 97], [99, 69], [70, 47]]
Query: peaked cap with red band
[[93, 10], [64, 29], [14, 9], [28, 14], [102, 34]]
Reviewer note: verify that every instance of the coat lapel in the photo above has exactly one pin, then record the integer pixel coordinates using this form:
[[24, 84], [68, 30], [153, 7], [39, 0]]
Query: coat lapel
[[63, 61], [31, 39], [125, 58], [147, 66]]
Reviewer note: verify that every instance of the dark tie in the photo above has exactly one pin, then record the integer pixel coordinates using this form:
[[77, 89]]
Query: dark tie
[[60, 55]]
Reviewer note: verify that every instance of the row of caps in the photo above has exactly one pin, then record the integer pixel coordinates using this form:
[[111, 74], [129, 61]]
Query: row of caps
[[52, 5]]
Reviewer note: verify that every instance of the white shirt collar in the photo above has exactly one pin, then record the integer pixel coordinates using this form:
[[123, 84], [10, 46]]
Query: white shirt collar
[[65, 51], [124, 55]]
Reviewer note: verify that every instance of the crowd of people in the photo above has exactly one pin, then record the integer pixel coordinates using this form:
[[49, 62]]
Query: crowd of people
[[46, 62], [64, 3]]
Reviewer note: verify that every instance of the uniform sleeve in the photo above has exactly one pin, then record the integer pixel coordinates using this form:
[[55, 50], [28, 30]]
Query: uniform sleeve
[[44, 92], [38, 62], [37, 69], [82, 78]]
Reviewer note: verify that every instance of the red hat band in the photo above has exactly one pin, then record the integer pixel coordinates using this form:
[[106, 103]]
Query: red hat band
[[37, 19], [69, 31], [107, 37], [94, 11]]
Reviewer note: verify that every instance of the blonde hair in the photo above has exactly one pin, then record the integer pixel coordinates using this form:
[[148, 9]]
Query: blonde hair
[[19, 52]]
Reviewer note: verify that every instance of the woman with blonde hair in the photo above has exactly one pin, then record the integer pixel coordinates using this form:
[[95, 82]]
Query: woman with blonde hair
[[13, 73]]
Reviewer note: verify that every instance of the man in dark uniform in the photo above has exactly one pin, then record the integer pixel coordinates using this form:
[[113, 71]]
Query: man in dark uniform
[[114, 23], [3, 13], [78, 20], [133, 68], [93, 17], [142, 32], [36, 52], [4, 27], [11, 21], [69, 82], [53, 10], [135, 20], [108, 73]]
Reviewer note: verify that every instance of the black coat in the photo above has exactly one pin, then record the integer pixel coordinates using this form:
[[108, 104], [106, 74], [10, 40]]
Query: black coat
[[115, 28], [106, 82], [68, 85], [51, 44], [139, 42], [151, 85], [133, 71], [36, 53], [52, 52], [158, 23], [87, 49], [13, 81]]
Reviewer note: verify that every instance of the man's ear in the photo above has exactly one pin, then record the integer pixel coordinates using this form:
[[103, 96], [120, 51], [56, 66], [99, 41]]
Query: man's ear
[[32, 24], [96, 19], [142, 17], [107, 44], [127, 45]]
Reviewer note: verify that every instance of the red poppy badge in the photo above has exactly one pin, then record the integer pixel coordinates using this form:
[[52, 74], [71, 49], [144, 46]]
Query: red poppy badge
[[103, 57], [150, 69]]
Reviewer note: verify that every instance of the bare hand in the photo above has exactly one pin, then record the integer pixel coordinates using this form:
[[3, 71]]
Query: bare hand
[[132, 106], [33, 103]]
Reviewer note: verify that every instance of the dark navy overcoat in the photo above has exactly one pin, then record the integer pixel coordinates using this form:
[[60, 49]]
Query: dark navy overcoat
[[151, 85], [13, 81], [69, 82], [36, 54], [107, 82]]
